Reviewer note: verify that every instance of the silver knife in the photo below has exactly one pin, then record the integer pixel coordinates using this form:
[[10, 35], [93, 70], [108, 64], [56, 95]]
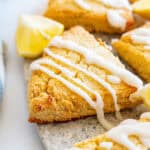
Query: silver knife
[[2, 68]]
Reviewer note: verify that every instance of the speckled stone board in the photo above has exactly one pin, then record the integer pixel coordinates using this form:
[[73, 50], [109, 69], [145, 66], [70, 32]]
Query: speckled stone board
[[61, 136]]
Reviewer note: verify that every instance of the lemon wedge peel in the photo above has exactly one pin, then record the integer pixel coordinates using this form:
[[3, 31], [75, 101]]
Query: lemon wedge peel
[[34, 34], [144, 94]]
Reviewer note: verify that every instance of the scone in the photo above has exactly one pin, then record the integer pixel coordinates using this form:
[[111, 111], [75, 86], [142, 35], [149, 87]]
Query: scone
[[79, 77], [134, 48], [142, 8], [129, 135], [94, 15]]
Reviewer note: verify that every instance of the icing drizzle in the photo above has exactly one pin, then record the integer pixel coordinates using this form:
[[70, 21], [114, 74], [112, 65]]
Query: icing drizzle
[[141, 36], [114, 16], [90, 74], [115, 19], [80, 87], [106, 145], [92, 58], [83, 4], [98, 105], [145, 115], [113, 79], [121, 133], [116, 3]]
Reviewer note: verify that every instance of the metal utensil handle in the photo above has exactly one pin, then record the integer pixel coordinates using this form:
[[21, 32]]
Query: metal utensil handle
[[2, 69]]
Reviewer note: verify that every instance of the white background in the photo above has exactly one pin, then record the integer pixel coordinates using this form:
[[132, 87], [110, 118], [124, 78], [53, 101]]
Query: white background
[[15, 131]]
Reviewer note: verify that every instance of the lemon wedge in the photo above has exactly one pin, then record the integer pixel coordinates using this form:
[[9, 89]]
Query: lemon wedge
[[34, 34], [142, 8], [143, 93]]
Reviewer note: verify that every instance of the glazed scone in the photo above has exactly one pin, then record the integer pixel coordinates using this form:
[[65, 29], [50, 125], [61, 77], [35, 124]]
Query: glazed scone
[[94, 15], [134, 48], [129, 135], [78, 77], [142, 8]]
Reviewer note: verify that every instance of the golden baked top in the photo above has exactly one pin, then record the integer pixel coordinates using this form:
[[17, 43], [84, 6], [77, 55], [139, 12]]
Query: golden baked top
[[140, 37], [129, 135], [95, 15], [134, 48], [87, 69]]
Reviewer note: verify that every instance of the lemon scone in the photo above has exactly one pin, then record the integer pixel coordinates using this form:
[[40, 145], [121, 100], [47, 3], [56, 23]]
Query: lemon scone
[[79, 77], [95, 15], [129, 135], [134, 48], [142, 8]]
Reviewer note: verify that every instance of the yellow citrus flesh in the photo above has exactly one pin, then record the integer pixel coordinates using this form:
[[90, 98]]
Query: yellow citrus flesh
[[142, 8], [147, 97], [34, 34], [144, 93]]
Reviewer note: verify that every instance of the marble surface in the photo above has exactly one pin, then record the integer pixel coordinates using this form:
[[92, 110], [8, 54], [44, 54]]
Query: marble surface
[[15, 131]]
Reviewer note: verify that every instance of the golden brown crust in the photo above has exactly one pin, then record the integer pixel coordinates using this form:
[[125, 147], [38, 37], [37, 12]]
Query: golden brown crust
[[38, 121], [94, 143], [134, 55], [70, 14], [52, 101]]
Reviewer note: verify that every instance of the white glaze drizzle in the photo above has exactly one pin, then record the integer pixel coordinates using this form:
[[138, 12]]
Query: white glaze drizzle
[[65, 82], [95, 77], [147, 47], [121, 133], [113, 15], [117, 3], [130, 127], [113, 79], [128, 121], [106, 145], [141, 36], [112, 3], [73, 148], [141, 39], [98, 106], [83, 4], [92, 58], [145, 115], [115, 19]]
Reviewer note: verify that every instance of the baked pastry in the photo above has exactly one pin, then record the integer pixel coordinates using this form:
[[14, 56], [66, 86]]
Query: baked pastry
[[134, 48], [129, 135], [79, 77], [142, 8], [95, 15]]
